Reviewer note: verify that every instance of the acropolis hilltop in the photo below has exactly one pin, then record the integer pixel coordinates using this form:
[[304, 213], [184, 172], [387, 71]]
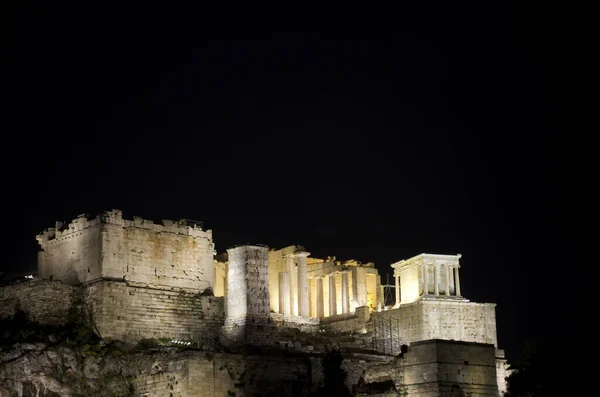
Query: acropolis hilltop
[[145, 280]]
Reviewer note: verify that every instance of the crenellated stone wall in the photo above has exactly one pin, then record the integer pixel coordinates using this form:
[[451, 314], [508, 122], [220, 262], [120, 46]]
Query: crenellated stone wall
[[71, 253], [130, 313], [173, 254]]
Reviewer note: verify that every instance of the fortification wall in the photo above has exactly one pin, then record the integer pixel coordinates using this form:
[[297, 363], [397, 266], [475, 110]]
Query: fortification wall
[[133, 313], [248, 302], [395, 327], [440, 368], [424, 319], [73, 254], [138, 250], [459, 320], [144, 255], [431, 368], [217, 374], [43, 302], [502, 371]]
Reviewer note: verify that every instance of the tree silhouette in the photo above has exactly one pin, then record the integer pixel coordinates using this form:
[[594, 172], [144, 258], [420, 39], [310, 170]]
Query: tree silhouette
[[547, 370]]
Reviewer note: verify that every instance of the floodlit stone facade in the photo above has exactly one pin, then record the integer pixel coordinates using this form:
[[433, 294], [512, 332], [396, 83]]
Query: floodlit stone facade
[[146, 280], [171, 254]]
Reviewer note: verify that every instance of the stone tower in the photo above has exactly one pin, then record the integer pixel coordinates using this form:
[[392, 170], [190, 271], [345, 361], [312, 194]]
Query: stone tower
[[248, 302]]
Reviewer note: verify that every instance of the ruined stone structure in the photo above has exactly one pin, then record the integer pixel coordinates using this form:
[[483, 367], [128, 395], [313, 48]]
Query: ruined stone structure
[[147, 280], [140, 252]]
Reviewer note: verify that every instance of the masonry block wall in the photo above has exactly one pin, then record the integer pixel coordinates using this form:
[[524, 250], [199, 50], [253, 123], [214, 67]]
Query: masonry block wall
[[227, 375], [248, 299], [347, 323], [425, 319], [130, 313], [459, 320], [433, 368], [43, 302], [436, 368], [139, 251], [185, 374], [71, 253]]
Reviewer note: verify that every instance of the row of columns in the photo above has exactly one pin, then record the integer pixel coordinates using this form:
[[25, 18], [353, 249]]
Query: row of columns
[[293, 286], [436, 281], [320, 301]]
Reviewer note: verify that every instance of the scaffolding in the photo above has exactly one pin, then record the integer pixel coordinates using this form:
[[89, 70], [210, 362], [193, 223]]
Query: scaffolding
[[389, 298], [386, 335]]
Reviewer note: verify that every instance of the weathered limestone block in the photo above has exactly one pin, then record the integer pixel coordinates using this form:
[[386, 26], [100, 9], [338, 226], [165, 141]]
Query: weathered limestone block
[[110, 247], [43, 302], [248, 301], [425, 319], [347, 323], [436, 367], [130, 313]]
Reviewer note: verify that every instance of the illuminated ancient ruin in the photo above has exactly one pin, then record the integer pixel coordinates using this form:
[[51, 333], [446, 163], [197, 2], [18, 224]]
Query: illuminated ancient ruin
[[148, 280]]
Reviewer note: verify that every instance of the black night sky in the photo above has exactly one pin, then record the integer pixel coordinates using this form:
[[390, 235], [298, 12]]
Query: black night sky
[[367, 133]]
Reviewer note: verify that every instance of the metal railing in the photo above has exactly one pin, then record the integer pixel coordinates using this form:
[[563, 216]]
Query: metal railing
[[215, 340]]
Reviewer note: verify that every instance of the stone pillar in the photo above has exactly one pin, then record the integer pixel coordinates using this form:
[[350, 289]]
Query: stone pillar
[[397, 291], [380, 295], [447, 279], [293, 274], [457, 286], [284, 293], [311, 296], [320, 303], [303, 308], [332, 298], [345, 293], [354, 290], [425, 283], [436, 278], [248, 300]]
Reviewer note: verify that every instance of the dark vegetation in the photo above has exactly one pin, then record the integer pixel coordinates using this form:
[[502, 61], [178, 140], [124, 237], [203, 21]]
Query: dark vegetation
[[549, 369], [334, 376]]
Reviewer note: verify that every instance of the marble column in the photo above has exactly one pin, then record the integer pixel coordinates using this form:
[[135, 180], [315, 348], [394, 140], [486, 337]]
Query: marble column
[[332, 297], [425, 281], [447, 268], [457, 281], [303, 309], [284, 293], [311, 310], [293, 276], [436, 278], [345, 293], [320, 303], [397, 291]]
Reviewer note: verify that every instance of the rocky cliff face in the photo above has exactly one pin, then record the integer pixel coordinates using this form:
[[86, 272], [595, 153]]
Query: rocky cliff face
[[43, 302], [36, 369], [48, 348]]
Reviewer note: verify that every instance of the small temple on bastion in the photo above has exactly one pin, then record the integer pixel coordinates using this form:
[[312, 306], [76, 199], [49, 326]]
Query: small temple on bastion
[[166, 279]]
